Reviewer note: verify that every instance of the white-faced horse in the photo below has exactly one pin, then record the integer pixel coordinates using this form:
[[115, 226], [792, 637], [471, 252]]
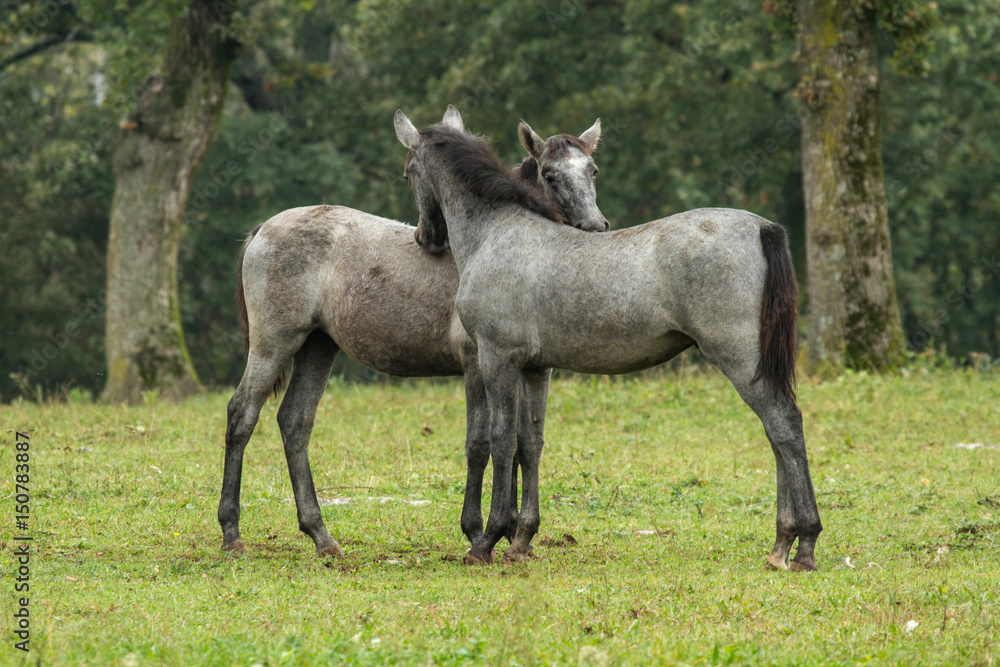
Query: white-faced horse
[[533, 295]]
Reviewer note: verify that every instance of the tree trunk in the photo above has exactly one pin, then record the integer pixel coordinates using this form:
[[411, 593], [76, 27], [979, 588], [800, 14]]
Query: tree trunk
[[161, 144], [853, 312]]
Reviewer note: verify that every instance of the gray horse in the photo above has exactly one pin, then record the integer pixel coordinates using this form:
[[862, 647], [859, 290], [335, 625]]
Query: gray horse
[[320, 279], [533, 295]]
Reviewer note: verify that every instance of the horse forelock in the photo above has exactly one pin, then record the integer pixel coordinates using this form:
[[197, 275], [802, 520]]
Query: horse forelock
[[471, 159], [560, 144]]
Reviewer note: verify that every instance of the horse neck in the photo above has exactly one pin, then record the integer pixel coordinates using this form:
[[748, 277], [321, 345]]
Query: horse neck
[[469, 220]]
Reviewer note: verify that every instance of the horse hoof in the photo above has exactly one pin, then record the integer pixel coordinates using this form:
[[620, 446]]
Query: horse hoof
[[475, 559], [775, 565], [334, 551], [800, 566], [236, 548], [511, 556]]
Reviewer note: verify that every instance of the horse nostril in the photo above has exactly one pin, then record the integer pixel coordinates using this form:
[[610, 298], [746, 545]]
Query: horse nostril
[[607, 225]]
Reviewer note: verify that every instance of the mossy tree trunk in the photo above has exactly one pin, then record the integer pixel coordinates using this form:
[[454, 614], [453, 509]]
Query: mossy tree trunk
[[853, 312], [161, 144]]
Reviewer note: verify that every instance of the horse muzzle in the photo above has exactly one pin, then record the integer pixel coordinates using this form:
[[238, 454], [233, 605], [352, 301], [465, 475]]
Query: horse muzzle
[[598, 224], [430, 245]]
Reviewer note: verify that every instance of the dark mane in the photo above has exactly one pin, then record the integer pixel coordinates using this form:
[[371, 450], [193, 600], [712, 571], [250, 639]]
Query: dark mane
[[527, 171], [471, 159], [561, 143]]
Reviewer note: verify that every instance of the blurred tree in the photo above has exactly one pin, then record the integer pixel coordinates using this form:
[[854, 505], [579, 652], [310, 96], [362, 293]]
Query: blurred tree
[[853, 310], [940, 148], [53, 226], [854, 319], [162, 142], [698, 100]]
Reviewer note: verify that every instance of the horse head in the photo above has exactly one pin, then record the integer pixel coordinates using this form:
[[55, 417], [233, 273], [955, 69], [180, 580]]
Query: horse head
[[432, 233], [565, 173]]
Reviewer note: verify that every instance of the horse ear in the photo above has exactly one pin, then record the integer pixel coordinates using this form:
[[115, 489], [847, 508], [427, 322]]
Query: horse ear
[[453, 119], [531, 141], [592, 136], [406, 132]]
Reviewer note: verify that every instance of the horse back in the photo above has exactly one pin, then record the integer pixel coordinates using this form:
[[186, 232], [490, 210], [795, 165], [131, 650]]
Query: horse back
[[360, 278], [621, 301]]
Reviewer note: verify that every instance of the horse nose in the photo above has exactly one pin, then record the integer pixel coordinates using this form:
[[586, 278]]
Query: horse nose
[[429, 244]]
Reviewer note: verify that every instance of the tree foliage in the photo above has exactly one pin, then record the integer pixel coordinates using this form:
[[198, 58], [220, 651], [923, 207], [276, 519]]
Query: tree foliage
[[698, 102]]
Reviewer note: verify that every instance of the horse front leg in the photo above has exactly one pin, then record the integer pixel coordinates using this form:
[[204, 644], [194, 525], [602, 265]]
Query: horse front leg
[[502, 382], [515, 466], [531, 428], [477, 450]]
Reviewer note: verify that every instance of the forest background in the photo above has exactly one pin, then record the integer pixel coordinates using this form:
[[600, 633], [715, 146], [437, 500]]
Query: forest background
[[699, 101]]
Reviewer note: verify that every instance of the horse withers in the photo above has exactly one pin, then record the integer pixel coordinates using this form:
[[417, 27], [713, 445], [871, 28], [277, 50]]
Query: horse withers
[[320, 279], [533, 295]]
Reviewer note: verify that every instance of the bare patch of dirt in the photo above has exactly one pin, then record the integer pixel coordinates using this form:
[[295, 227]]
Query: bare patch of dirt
[[566, 541]]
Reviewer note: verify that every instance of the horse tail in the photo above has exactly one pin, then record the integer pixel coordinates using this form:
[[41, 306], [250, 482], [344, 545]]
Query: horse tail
[[241, 303], [777, 314]]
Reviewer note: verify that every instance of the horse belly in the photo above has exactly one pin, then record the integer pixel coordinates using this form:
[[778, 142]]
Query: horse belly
[[625, 354], [395, 335], [607, 335]]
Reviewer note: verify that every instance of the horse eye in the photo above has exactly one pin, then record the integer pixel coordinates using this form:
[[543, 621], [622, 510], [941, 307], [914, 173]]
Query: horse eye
[[595, 171]]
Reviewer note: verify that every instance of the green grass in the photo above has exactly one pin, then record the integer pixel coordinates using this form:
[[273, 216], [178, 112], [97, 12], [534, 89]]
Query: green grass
[[665, 485]]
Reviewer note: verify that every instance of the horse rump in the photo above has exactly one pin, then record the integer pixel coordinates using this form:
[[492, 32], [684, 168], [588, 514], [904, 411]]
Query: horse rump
[[241, 304]]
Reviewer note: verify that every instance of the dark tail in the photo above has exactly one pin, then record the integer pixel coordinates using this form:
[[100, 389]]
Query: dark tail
[[241, 303], [777, 314]]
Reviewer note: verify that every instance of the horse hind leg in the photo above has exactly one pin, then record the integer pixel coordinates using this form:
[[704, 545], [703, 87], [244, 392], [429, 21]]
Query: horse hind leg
[[243, 411], [785, 530], [797, 513], [296, 416]]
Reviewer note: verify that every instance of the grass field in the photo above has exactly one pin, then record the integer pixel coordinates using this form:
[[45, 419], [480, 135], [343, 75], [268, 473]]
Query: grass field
[[657, 505]]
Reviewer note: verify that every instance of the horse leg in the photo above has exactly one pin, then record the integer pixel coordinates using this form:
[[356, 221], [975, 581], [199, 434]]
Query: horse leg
[[797, 513], [512, 526], [515, 466], [477, 450], [785, 532], [535, 391], [241, 418], [310, 376], [502, 382]]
